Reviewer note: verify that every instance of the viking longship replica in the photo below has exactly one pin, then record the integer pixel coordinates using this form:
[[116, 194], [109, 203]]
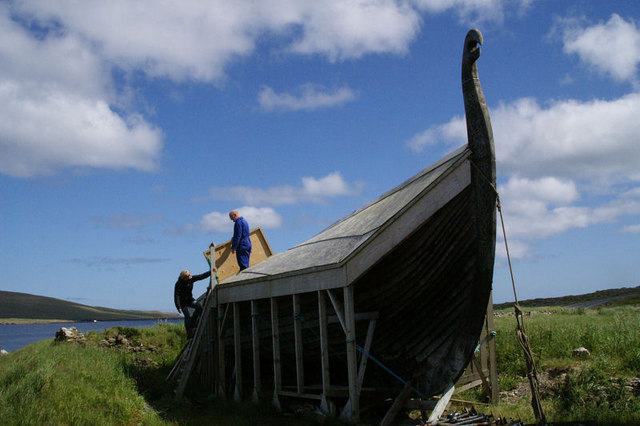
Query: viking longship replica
[[404, 282]]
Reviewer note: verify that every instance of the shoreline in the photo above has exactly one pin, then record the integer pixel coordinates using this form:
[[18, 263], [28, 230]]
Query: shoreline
[[18, 321]]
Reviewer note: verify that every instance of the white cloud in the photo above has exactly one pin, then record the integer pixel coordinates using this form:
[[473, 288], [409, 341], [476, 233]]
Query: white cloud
[[56, 113], [612, 47], [198, 39], [596, 141], [540, 208], [312, 190], [265, 217], [632, 229], [308, 97], [554, 157], [475, 11], [44, 131], [345, 30]]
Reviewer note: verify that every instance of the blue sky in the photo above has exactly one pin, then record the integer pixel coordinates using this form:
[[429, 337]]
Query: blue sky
[[128, 130]]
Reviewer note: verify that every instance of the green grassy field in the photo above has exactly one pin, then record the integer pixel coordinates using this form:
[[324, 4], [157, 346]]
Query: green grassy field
[[49, 383], [91, 384], [599, 388]]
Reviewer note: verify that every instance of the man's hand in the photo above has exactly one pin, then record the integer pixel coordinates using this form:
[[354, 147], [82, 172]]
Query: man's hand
[[233, 251]]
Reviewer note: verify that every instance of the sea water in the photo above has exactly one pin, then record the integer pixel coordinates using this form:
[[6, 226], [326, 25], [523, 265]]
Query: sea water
[[16, 336]]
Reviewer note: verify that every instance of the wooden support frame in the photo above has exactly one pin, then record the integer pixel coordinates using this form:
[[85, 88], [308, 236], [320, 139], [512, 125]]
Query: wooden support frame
[[257, 384], [482, 368], [365, 356], [337, 307], [297, 334], [221, 377], [326, 406], [398, 403], [237, 344], [351, 410], [493, 369], [442, 404], [277, 370]]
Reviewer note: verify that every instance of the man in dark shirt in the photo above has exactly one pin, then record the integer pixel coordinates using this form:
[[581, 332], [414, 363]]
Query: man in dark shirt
[[185, 303], [241, 241]]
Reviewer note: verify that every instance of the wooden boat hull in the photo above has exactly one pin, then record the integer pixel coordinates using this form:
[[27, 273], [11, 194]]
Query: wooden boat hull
[[407, 279]]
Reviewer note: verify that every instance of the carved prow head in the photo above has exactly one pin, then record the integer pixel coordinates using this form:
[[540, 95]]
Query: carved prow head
[[471, 51], [479, 133]]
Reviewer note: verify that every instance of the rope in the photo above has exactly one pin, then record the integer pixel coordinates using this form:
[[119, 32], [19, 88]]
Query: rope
[[521, 334]]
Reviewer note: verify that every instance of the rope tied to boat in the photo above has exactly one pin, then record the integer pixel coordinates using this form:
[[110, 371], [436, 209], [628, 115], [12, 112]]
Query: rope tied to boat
[[521, 333]]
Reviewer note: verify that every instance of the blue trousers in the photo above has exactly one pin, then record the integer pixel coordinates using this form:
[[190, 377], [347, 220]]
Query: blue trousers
[[242, 255]]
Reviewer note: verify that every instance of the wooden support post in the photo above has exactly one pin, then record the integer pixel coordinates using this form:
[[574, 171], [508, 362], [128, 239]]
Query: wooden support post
[[351, 410], [491, 346], [478, 365], [326, 406], [365, 355], [220, 341], [237, 341], [441, 405], [397, 405], [210, 352], [256, 350], [337, 307], [297, 334], [277, 372]]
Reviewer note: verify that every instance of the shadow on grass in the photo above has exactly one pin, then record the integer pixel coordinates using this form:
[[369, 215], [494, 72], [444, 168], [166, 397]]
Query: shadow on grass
[[199, 406]]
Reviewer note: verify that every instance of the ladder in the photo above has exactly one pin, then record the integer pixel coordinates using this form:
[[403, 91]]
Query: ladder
[[187, 359]]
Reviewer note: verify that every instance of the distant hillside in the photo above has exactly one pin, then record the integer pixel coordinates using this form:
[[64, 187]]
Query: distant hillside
[[615, 296], [22, 305]]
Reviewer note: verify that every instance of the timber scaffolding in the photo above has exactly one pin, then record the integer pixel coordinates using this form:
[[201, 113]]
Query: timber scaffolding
[[403, 283]]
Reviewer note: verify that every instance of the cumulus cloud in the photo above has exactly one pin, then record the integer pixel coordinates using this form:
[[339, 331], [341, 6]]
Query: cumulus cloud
[[612, 47], [596, 141], [265, 217], [554, 155], [59, 103], [475, 11], [308, 97], [539, 208], [198, 39], [311, 190], [56, 113]]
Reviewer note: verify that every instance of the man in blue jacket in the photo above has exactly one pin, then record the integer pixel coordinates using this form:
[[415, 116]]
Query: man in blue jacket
[[240, 243]]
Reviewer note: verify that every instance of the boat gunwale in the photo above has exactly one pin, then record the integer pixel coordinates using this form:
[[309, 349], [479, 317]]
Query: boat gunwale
[[463, 155]]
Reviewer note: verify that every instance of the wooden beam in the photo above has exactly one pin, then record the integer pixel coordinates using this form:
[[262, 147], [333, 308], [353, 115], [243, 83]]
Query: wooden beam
[[297, 334], [363, 316], [365, 355], [221, 367], [468, 386], [325, 404], [237, 343], [491, 346], [442, 404], [398, 403], [256, 350], [337, 307], [277, 371], [351, 410], [485, 382]]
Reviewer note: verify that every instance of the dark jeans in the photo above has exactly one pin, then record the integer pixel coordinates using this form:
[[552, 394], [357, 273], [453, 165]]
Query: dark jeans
[[191, 312]]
